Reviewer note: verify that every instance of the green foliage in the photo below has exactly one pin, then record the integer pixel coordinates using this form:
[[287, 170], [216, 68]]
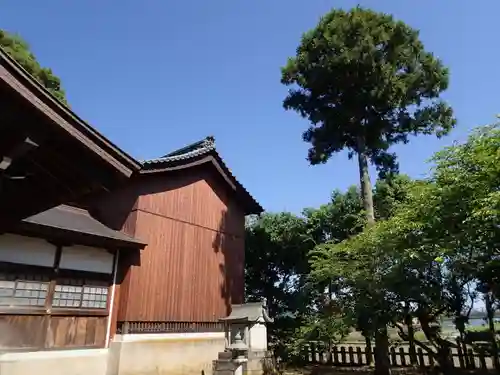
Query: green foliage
[[277, 265], [339, 219], [437, 251], [390, 193], [276, 251], [365, 82], [323, 328], [276, 268], [19, 50]]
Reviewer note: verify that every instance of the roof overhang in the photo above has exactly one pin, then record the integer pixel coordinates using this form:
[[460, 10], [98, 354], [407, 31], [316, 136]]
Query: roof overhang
[[48, 155], [75, 226]]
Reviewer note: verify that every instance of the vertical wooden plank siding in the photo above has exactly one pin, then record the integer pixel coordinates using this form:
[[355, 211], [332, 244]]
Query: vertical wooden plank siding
[[48, 332], [192, 268], [71, 331], [23, 331]]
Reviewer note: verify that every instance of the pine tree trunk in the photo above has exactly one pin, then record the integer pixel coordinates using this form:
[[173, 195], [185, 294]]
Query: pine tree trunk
[[381, 352], [382, 363], [365, 183]]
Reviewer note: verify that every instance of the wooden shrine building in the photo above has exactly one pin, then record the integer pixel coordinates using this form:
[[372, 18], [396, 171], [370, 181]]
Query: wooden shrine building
[[103, 253]]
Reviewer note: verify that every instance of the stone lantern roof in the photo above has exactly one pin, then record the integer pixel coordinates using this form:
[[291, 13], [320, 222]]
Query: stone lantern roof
[[248, 312]]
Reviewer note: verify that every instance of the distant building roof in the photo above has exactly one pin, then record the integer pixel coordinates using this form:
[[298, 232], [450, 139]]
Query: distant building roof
[[78, 221], [197, 153]]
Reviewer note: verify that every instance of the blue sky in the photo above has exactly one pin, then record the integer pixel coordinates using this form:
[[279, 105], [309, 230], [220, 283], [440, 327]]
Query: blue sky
[[155, 75]]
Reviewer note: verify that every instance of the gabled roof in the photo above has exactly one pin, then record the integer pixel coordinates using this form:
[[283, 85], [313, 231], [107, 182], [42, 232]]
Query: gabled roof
[[77, 222], [63, 116], [198, 153]]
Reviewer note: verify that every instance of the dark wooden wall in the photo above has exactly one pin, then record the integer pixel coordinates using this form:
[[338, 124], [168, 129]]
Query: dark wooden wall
[[52, 332], [193, 267]]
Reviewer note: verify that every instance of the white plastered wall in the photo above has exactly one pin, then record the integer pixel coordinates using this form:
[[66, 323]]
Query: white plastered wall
[[85, 258], [162, 354], [26, 250]]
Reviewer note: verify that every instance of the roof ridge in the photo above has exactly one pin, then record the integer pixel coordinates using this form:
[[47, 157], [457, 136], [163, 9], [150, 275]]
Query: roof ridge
[[205, 142], [201, 147]]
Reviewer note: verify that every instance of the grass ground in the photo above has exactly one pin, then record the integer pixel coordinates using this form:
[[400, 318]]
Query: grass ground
[[357, 338]]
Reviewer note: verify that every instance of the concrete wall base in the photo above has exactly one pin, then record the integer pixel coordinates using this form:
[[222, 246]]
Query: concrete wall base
[[145, 354], [164, 354], [67, 362]]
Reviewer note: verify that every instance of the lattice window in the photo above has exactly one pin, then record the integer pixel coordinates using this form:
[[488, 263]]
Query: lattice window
[[78, 293], [23, 289]]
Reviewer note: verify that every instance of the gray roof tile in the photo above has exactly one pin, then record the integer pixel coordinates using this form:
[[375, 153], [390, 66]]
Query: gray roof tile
[[74, 219]]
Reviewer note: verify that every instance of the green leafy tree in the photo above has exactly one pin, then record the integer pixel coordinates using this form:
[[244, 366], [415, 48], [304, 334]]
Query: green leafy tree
[[20, 51], [365, 82], [338, 219], [277, 267], [391, 192], [443, 240]]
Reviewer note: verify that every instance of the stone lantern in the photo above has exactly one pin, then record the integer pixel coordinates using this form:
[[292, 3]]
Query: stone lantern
[[246, 334]]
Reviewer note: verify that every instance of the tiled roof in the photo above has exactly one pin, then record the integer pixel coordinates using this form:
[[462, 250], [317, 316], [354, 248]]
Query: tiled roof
[[77, 220], [202, 147], [205, 147]]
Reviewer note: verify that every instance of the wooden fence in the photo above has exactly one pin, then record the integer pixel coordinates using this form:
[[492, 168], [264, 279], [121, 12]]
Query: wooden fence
[[399, 357]]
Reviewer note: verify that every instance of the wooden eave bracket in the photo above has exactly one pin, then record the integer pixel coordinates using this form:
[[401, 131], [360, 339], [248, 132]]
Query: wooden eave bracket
[[18, 150]]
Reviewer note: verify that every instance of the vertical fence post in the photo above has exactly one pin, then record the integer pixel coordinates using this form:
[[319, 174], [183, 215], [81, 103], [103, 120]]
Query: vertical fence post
[[369, 355], [421, 359], [330, 355], [394, 361], [351, 356], [343, 359], [482, 360], [402, 354], [360, 356], [335, 356], [313, 352], [472, 362]]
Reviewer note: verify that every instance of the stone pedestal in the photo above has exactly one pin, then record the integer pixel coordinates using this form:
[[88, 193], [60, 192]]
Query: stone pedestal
[[259, 362], [226, 364]]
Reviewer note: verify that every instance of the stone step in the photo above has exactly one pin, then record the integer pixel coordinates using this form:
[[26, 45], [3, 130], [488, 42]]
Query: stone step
[[225, 365], [223, 372]]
